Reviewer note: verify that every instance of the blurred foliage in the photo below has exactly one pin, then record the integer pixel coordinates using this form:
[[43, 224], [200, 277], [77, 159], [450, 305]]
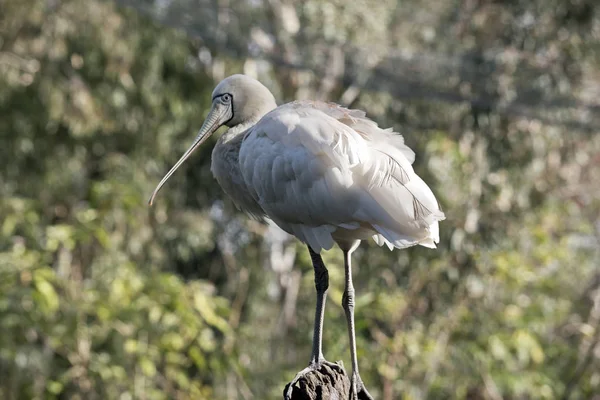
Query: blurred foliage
[[102, 297]]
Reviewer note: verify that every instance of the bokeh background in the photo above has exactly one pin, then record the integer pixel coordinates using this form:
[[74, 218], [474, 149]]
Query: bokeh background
[[102, 297]]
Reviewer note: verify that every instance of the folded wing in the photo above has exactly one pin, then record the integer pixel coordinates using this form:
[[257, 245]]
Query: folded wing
[[318, 169]]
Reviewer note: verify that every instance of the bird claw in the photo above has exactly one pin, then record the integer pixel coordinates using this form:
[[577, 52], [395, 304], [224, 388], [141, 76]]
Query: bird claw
[[313, 367], [358, 391]]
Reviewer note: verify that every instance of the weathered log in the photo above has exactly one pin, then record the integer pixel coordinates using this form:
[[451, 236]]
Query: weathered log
[[326, 383]]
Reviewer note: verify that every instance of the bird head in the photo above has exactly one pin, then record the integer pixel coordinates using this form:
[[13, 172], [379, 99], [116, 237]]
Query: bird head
[[237, 99]]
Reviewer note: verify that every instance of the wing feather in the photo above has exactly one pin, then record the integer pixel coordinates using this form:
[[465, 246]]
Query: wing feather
[[316, 169]]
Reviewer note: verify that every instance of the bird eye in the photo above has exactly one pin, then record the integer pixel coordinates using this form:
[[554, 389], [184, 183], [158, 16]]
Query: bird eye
[[226, 98]]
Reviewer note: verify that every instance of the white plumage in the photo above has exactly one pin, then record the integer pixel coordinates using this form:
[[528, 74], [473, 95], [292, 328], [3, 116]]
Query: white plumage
[[323, 173]]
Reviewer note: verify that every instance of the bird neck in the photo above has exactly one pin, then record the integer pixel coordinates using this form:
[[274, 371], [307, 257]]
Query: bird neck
[[237, 130], [254, 113]]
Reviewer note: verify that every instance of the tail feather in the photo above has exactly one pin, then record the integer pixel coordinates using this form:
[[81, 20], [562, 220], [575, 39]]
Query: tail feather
[[400, 241]]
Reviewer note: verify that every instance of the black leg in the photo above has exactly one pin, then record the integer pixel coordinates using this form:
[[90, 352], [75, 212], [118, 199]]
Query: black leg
[[316, 359], [322, 285]]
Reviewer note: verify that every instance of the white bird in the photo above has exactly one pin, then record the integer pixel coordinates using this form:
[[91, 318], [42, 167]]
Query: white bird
[[323, 173]]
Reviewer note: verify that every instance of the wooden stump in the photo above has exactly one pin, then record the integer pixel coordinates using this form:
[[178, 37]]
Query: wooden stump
[[326, 383]]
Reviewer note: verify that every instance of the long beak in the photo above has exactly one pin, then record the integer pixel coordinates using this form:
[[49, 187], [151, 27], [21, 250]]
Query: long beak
[[218, 115]]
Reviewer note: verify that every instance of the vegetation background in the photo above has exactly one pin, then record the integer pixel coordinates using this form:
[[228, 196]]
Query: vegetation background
[[102, 297]]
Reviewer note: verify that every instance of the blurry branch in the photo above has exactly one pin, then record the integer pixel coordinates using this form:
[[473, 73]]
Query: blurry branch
[[333, 73], [448, 325], [237, 305], [284, 25], [26, 65], [490, 386], [237, 384], [240, 297], [406, 76], [439, 354], [360, 80], [589, 346], [527, 105], [281, 257], [369, 62], [287, 316]]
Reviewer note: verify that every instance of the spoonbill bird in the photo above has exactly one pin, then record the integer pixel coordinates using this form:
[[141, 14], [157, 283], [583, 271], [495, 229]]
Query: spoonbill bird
[[323, 173]]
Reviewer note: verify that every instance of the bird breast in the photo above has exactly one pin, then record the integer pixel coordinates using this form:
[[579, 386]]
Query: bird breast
[[225, 167]]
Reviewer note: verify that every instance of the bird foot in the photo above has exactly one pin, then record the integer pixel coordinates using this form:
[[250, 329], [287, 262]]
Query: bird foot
[[313, 368], [358, 391]]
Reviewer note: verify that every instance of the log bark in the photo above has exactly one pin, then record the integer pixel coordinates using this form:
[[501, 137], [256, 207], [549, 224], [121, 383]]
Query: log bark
[[326, 383]]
